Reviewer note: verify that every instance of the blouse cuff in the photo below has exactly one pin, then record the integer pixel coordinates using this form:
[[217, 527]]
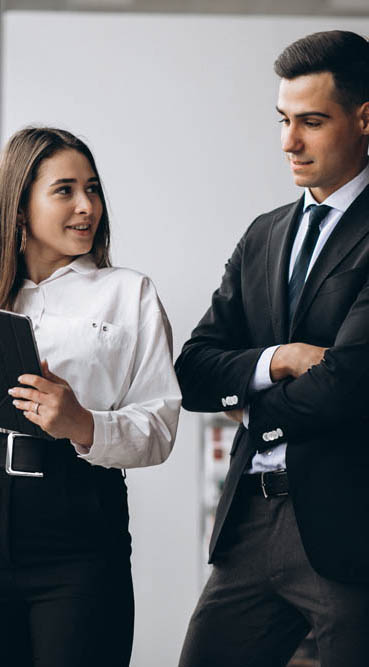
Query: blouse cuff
[[102, 436]]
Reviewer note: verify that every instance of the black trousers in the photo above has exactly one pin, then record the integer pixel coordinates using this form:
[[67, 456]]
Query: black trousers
[[263, 597], [66, 596]]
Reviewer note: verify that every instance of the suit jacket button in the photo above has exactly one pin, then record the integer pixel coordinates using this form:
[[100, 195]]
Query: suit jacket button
[[266, 437], [279, 432], [224, 402]]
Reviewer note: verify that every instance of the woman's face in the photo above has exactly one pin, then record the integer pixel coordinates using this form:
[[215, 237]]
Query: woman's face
[[63, 212]]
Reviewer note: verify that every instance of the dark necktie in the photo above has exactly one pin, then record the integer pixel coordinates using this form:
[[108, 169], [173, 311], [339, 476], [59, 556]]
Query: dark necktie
[[317, 213]]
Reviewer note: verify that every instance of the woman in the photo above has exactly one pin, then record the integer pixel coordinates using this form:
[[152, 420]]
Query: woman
[[108, 396]]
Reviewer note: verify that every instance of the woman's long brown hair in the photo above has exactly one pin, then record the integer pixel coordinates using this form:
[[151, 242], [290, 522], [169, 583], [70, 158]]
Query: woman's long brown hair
[[19, 164]]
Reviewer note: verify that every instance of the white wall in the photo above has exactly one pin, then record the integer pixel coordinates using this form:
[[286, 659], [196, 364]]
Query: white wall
[[180, 114]]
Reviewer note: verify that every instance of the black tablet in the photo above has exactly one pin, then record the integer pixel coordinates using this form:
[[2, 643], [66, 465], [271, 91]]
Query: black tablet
[[18, 355]]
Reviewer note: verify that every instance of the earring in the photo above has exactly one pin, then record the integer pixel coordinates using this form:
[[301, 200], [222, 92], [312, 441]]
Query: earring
[[23, 243]]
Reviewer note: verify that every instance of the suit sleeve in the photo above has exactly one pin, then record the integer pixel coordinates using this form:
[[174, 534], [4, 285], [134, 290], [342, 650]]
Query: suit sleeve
[[216, 364], [331, 395]]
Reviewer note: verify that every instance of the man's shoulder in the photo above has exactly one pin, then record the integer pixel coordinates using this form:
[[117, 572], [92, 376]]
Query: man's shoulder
[[280, 213]]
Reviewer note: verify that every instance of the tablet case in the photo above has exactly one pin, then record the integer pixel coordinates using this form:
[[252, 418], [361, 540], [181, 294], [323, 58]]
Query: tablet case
[[18, 355]]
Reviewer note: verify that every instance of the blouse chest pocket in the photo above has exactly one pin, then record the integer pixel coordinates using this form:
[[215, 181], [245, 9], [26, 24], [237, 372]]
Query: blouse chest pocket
[[88, 354], [105, 333]]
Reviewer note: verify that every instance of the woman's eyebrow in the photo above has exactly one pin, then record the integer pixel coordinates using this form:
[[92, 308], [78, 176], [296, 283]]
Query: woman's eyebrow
[[71, 180]]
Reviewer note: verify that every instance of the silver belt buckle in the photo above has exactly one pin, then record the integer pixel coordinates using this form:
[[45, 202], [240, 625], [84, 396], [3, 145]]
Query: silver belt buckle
[[263, 485], [265, 494], [9, 457]]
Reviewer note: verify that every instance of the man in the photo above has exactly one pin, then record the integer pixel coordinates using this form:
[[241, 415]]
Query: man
[[285, 349]]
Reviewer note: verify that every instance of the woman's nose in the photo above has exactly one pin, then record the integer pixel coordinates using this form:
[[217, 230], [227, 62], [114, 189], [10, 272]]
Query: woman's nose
[[83, 203]]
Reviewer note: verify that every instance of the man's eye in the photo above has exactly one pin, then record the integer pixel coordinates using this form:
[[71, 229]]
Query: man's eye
[[313, 123], [283, 121]]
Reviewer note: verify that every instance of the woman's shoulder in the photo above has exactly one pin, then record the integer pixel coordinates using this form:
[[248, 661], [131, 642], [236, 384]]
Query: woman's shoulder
[[125, 276], [131, 291], [128, 285]]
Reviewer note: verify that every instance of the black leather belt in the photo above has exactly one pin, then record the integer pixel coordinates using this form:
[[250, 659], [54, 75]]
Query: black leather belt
[[266, 484], [21, 455]]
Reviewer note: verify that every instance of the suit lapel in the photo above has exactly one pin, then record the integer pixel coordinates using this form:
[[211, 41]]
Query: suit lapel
[[280, 241], [350, 230]]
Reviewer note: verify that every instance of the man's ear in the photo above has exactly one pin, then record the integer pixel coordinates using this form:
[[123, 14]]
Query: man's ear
[[364, 118]]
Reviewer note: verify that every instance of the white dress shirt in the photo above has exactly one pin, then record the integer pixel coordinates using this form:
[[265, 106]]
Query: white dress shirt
[[105, 332], [275, 457]]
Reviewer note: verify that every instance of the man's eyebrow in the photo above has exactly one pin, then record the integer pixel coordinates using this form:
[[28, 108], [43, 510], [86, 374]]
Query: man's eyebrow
[[305, 113], [59, 181]]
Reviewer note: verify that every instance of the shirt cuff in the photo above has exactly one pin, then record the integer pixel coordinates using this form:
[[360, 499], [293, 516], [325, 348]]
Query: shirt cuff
[[102, 436], [246, 417], [261, 379]]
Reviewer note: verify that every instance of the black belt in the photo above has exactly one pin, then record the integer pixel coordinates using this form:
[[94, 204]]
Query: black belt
[[21, 455], [266, 484]]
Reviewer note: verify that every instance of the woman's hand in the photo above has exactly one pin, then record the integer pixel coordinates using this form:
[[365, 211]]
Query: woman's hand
[[52, 405]]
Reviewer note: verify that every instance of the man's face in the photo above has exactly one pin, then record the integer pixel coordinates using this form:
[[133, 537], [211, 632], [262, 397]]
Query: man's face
[[325, 143]]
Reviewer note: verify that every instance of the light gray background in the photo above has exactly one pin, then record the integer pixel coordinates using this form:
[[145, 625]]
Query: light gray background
[[179, 112]]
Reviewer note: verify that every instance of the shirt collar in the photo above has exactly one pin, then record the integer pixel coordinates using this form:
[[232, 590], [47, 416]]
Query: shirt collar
[[83, 264], [342, 198]]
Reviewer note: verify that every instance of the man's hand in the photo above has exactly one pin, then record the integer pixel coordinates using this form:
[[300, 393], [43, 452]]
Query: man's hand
[[294, 359], [235, 415]]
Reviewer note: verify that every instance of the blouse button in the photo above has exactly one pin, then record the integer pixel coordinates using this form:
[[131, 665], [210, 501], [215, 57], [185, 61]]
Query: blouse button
[[94, 324], [105, 328]]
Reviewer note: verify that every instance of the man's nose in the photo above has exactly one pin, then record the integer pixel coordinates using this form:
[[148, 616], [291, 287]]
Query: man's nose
[[291, 139]]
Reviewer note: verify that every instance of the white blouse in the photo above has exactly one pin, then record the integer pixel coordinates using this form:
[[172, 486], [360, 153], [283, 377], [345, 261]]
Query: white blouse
[[106, 333]]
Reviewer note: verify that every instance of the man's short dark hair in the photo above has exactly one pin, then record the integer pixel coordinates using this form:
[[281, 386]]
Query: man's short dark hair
[[345, 54]]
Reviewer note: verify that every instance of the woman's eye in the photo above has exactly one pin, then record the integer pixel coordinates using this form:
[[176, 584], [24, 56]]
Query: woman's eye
[[64, 190], [93, 188], [283, 121]]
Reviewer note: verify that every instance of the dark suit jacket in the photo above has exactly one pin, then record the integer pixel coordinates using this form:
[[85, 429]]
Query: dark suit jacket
[[323, 415]]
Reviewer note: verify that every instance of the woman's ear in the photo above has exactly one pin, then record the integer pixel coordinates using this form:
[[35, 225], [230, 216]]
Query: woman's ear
[[22, 231], [21, 218]]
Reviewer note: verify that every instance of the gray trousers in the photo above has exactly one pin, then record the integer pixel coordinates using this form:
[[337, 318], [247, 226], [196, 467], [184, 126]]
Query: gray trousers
[[263, 597]]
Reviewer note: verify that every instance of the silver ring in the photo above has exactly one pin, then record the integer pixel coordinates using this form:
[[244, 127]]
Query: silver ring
[[35, 409]]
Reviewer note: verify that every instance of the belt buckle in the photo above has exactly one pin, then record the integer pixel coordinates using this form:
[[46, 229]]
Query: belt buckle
[[9, 457], [263, 485]]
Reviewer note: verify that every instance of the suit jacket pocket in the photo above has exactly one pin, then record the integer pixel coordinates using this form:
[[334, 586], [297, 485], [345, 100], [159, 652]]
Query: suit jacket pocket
[[351, 279]]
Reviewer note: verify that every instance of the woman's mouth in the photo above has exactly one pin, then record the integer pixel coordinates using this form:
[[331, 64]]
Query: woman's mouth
[[81, 229]]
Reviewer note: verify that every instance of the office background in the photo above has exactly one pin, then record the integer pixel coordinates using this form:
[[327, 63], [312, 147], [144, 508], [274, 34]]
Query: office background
[[179, 109]]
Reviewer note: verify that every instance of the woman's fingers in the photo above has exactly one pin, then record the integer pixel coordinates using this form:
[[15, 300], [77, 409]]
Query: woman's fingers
[[36, 381], [38, 387], [33, 417], [30, 406], [28, 394]]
